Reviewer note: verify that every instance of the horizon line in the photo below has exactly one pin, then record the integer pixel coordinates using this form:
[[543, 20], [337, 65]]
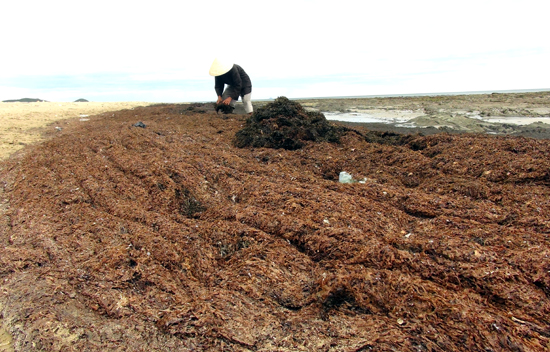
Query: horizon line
[[427, 94], [501, 91]]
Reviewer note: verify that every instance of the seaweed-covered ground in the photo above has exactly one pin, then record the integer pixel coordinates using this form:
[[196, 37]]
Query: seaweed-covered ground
[[168, 237]]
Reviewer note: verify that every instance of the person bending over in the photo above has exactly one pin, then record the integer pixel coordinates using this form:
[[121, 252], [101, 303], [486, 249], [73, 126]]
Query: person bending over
[[237, 81]]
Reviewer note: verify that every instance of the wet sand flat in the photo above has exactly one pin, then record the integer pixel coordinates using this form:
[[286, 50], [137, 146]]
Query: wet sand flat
[[518, 114]]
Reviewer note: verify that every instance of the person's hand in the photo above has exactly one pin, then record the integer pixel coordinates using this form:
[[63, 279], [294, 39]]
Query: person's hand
[[219, 100], [227, 101]]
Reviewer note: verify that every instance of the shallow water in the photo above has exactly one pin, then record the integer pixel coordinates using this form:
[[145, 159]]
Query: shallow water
[[362, 117], [396, 117]]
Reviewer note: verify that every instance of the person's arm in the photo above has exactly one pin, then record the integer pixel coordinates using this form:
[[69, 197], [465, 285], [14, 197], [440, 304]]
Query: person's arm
[[218, 87]]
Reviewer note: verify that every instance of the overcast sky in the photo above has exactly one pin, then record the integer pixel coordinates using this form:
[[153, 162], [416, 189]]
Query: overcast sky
[[161, 50]]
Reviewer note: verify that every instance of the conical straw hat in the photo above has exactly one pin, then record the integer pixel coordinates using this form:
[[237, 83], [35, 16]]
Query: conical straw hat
[[219, 67]]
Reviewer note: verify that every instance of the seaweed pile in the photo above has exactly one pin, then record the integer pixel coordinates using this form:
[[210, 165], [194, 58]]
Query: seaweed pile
[[168, 237], [286, 124], [225, 109]]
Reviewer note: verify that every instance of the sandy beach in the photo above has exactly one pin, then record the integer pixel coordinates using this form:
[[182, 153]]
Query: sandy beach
[[23, 123]]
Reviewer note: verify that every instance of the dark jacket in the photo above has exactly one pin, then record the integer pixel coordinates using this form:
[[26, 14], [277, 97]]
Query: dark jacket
[[238, 79]]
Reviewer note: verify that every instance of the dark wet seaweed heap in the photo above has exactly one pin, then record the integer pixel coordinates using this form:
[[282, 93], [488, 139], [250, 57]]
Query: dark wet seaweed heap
[[286, 124]]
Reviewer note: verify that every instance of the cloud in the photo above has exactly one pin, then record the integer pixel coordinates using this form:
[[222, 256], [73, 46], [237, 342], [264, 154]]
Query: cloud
[[369, 46]]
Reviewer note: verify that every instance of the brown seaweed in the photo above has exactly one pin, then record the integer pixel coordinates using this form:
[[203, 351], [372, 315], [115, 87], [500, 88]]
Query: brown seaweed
[[170, 238]]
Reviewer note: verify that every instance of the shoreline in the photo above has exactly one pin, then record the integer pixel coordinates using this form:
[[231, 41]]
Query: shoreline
[[498, 113], [420, 95], [494, 113]]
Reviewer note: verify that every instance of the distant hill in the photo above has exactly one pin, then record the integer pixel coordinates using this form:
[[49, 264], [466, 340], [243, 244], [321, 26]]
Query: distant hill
[[24, 100], [81, 101]]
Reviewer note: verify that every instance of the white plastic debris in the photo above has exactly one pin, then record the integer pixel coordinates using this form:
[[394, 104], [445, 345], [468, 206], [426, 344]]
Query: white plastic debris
[[345, 177]]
